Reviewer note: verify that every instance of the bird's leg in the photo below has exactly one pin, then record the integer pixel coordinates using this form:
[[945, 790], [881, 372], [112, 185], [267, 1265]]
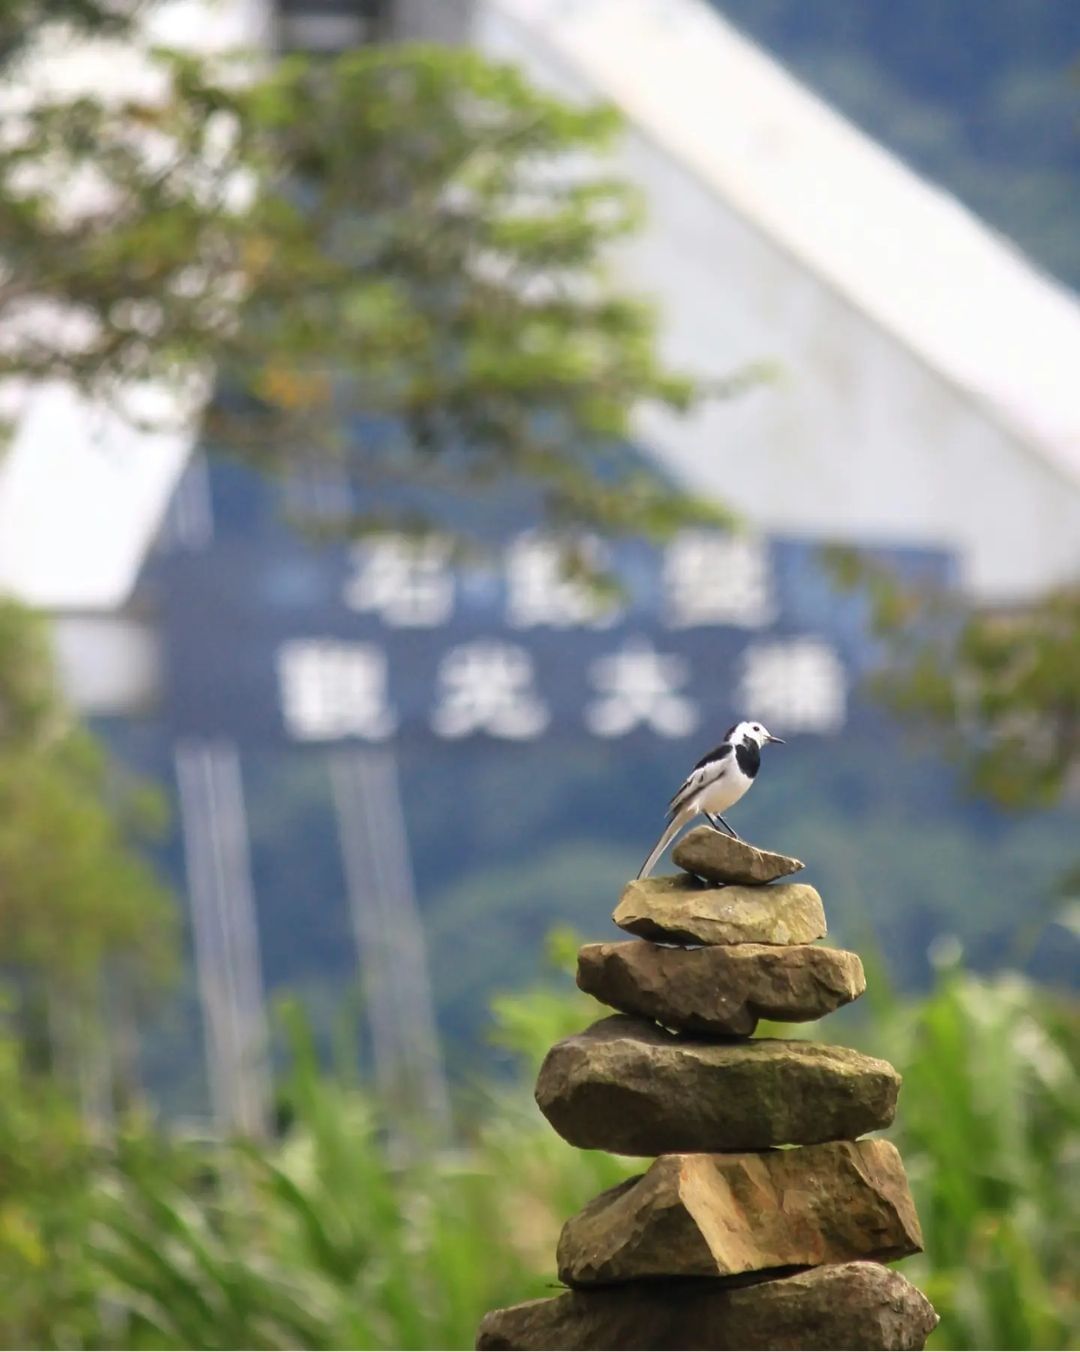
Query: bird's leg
[[715, 818]]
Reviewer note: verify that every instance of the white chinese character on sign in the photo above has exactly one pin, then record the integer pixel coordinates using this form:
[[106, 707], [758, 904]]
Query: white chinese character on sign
[[331, 689], [487, 686], [713, 578], [540, 592], [639, 687], [408, 582], [797, 685]]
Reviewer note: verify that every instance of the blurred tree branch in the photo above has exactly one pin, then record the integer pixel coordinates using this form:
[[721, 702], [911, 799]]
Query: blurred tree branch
[[1001, 686], [410, 236]]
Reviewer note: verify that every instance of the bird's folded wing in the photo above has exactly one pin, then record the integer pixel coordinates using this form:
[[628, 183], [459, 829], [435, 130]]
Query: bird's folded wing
[[707, 771]]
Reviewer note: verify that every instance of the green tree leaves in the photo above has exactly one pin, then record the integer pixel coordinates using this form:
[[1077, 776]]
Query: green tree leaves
[[75, 896], [413, 235]]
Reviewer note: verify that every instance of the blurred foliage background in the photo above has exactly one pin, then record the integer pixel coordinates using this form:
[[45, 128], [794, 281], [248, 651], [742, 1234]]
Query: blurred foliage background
[[342, 1229]]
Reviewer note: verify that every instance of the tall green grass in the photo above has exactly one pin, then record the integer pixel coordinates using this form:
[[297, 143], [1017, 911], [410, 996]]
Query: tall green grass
[[343, 1234], [989, 1126]]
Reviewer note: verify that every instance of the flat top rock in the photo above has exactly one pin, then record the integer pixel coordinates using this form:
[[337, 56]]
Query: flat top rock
[[720, 989], [726, 1215], [680, 909], [627, 1086], [843, 1305], [719, 858]]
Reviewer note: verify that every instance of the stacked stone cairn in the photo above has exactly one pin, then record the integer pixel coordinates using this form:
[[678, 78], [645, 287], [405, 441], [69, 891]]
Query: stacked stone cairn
[[728, 1240]]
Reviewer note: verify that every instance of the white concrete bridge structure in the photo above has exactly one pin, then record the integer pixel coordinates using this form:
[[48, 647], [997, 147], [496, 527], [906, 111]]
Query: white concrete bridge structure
[[927, 388]]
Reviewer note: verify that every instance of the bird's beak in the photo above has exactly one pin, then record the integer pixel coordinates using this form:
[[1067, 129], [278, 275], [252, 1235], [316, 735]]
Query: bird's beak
[[778, 740]]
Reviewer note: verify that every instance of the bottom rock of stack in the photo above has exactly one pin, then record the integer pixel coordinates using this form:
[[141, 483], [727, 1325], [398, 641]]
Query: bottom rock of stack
[[847, 1305]]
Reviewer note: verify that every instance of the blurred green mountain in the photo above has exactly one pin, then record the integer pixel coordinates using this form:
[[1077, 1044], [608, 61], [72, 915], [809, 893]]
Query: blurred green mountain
[[982, 96]]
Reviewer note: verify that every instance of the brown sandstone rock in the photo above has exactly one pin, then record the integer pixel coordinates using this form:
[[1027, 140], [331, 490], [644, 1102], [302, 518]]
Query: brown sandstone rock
[[849, 1305], [680, 909], [627, 1086], [719, 859], [720, 989], [723, 1215]]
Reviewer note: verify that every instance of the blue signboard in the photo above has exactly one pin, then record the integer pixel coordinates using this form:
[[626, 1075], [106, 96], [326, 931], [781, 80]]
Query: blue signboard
[[283, 639]]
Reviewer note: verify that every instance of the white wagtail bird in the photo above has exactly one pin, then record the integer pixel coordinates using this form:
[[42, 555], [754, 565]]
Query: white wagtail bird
[[715, 783]]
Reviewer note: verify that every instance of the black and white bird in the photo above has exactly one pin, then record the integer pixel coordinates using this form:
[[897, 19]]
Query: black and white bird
[[715, 783]]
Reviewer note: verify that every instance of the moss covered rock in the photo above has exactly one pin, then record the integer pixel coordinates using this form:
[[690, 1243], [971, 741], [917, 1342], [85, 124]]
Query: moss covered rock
[[720, 989], [680, 909], [725, 1215], [848, 1305], [628, 1086]]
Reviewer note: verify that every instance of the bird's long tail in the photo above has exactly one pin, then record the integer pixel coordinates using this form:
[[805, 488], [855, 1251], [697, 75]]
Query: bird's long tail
[[670, 832]]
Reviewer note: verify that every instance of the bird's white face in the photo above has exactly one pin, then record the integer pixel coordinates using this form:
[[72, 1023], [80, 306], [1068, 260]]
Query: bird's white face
[[756, 732]]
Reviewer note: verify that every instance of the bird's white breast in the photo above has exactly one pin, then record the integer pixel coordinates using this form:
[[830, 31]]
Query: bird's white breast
[[725, 790]]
